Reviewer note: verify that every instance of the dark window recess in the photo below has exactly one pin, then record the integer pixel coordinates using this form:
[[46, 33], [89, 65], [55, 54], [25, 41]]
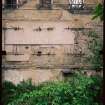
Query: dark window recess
[[11, 4], [26, 47], [39, 53], [101, 52], [67, 73], [85, 73], [50, 28], [3, 52]]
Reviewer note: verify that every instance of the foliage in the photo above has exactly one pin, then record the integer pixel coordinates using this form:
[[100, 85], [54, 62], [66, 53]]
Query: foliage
[[81, 90], [8, 92], [11, 91], [95, 46], [98, 12]]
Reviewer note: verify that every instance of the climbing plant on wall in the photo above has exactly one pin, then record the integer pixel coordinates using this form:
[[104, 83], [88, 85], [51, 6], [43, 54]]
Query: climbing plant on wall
[[95, 46], [98, 11]]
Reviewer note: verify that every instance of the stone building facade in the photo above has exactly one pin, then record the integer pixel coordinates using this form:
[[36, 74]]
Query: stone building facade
[[42, 48], [46, 3], [46, 47]]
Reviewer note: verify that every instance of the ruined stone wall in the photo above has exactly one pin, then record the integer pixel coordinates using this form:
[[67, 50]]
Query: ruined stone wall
[[40, 68], [44, 55], [41, 55], [37, 76], [48, 59]]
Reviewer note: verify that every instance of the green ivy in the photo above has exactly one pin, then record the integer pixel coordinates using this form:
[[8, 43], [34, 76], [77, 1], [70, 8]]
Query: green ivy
[[95, 46], [98, 11]]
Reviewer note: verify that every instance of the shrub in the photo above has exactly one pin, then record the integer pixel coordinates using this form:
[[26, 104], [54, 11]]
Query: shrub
[[81, 90]]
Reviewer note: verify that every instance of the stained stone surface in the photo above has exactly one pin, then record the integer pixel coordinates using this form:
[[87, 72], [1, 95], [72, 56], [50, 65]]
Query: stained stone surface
[[37, 52], [37, 76]]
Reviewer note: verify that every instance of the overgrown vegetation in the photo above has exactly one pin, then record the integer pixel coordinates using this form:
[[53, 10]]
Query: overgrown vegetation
[[98, 11], [81, 90], [96, 47]]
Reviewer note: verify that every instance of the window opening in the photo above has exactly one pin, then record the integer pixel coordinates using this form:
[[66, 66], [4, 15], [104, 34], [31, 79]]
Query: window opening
[[76, 4], [11, 4]]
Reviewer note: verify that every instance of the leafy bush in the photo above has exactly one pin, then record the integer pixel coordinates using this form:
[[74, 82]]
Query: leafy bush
[[81, 90], [8, 92]]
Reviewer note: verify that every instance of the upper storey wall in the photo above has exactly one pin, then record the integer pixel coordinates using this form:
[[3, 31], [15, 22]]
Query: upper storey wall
[[67, 1], [61, 1], [92, 1], [13, 2]]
